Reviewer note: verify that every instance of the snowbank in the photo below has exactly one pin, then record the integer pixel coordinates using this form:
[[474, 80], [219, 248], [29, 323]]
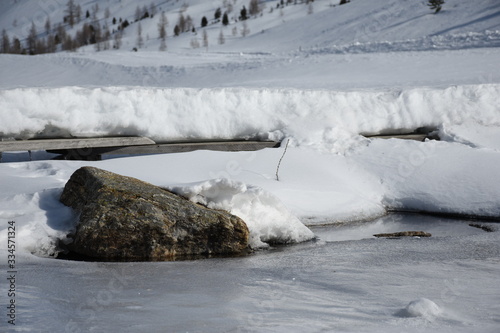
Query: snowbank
[[421, 307], [470, 134], [329, 120], [268, 220], [436, 176]]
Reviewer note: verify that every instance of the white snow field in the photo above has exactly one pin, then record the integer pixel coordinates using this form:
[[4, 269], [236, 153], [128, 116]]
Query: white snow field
[[316, 76]]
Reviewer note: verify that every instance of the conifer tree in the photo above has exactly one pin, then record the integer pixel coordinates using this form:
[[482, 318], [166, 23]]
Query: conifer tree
[[106, 38], [78, 14], [61, 34], [32, 39], [245, 30], [16, 47], [145, 13], [51, 44], [117, 40], [152, 9], [205, 39], [221, 38], [5, 42], [95, 10], [204, 22], [253, 7], [140, 40], [189, 23], [162, 24], [47, 25], [70, 12], [40, 46], [137, 15], [218, 13], [243, 14], [225, 19], [436, 5], [163, 45], [181, 22]]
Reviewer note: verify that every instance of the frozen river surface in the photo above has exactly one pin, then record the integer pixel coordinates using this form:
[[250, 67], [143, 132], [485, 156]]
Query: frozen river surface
[[346, 281]]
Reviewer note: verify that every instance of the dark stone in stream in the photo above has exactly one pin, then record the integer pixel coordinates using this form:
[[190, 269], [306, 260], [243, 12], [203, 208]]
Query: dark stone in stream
[[123, 218], [404, 234]]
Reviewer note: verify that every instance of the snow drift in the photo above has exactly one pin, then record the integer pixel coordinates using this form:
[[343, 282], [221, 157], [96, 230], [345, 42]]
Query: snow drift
[[421, 307], [319, 118], [268, 220]]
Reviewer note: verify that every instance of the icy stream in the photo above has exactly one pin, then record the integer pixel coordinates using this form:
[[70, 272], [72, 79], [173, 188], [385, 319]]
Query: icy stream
[[345, 281]]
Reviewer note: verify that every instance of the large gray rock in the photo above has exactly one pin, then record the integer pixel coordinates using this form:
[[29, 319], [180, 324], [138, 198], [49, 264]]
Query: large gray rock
[[123, 218]]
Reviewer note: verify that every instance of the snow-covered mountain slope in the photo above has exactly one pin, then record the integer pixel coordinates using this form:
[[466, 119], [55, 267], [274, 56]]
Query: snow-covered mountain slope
[[287, 47], [273, 30]]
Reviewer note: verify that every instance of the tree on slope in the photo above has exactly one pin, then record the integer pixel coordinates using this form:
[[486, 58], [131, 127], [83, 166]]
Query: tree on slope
[[162, 24], [5, 42], [31, 41], [204, 22], [140, 40], [436, 5], [70, 12], [253, 7], [205, 39], [221, 40], [225, 19]]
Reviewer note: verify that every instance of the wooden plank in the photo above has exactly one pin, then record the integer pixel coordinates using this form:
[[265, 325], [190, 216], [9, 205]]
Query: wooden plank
[[74, 143], [181, 147]]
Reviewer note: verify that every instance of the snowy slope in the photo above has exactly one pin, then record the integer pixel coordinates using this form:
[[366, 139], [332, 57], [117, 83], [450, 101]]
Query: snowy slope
[[360, 21], [294, 49]]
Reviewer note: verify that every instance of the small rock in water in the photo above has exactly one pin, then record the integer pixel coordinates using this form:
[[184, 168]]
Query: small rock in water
[[404, 234], [484, 227]]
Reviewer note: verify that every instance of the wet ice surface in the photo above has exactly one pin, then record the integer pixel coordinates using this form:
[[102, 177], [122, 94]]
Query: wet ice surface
[[347, 280]]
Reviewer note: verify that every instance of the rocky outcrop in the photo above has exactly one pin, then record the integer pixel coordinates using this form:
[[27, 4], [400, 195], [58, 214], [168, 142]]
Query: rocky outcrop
[[123, 218]]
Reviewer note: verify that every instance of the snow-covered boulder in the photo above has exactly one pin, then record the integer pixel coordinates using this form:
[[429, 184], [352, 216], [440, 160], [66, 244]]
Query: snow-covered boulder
[[123, 218], [421, 307], [268, 220]]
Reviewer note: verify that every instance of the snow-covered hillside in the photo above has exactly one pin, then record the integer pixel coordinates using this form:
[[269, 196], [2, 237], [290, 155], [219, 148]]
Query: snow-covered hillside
[[287, 47], [316, 76], [319, 24]]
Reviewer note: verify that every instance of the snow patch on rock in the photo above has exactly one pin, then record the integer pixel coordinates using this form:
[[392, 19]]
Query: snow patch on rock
[[268, 220]]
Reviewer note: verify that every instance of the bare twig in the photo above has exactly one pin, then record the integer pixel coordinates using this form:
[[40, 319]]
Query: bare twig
[[279, 163]]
